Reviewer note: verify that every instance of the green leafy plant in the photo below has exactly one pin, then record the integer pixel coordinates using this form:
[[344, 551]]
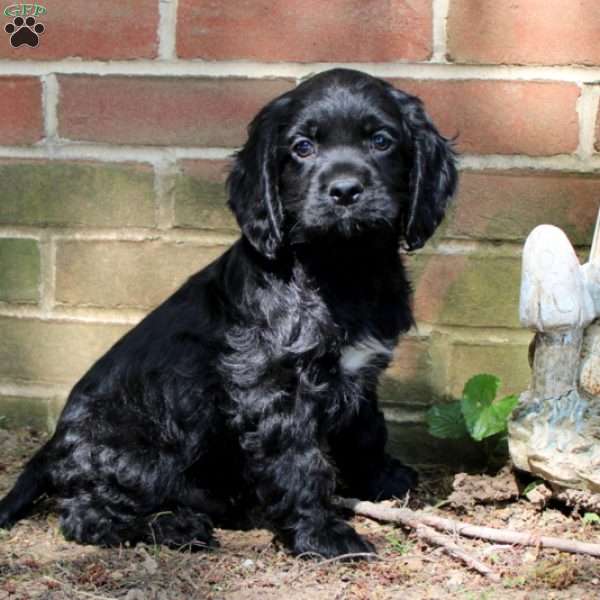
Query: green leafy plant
[[477, 413], [402, 547], [591, 518]]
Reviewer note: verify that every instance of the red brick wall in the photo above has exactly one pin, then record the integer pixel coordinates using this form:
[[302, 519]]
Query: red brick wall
[[115, 133]]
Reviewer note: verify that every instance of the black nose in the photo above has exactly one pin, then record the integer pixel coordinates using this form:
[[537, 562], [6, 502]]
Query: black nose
[[346, 191]]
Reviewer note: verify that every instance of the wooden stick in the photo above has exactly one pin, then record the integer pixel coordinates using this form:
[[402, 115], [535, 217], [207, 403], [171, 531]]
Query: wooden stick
[[431, 536], [423, 530], [412, 519]]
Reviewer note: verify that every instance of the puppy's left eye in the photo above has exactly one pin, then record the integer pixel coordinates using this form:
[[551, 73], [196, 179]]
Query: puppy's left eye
[[381, 141]]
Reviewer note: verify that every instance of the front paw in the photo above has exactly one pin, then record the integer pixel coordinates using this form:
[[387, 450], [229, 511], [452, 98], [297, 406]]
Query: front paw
[[393, 481], [335, 538]]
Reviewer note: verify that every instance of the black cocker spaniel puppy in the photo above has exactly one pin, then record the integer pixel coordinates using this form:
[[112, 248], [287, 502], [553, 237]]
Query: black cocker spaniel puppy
[[252, 389]]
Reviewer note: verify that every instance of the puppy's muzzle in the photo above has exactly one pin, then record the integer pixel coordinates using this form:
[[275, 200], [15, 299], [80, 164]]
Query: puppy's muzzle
[[346, 191]]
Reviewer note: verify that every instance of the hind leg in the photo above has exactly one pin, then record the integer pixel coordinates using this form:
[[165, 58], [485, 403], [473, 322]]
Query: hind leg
[[87, 522], [110, 495]]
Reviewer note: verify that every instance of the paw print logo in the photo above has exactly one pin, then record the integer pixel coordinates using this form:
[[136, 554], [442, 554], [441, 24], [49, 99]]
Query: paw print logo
[[24, 31]]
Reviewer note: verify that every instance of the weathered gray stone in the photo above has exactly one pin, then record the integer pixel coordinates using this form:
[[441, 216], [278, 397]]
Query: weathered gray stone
[[555, 431]]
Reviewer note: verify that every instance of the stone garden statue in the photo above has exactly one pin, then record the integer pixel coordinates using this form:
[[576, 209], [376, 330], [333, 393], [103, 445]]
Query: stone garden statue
[[555, 431]]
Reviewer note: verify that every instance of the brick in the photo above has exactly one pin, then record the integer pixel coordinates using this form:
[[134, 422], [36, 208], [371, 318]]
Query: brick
[[21, 121], [472, 291], [52, 351], [546, 32], [107, 30], [19, 271], [23, 412], [451, 361], [125, 274], [200, 197], [76, 194], [507, 205], [162, 110], [502, 117], [507, 361], [408, 379], [284, 30], [413, 445]]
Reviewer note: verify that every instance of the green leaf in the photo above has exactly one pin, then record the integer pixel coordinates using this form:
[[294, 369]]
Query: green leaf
[[481, 390], [505, 407], [478, 394], [446, 421], [483, 416], [532, 486], [486, 420], [590, 517]]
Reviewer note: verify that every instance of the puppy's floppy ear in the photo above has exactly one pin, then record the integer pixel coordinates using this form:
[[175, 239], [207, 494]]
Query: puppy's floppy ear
[[433, 177], [252, 184]]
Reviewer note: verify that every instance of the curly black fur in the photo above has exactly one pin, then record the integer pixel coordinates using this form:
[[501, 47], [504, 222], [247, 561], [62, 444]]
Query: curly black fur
[[252, 390]]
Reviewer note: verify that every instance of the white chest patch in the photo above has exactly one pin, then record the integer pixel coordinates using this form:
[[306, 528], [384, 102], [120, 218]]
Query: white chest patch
[[361, 353]]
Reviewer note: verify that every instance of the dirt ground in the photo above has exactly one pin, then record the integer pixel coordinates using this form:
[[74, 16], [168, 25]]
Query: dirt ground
[[36, 562]]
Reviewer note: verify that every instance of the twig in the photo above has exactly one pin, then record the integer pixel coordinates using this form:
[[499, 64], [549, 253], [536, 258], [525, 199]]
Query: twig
[[413, 519], [423, 530], [428, 534]]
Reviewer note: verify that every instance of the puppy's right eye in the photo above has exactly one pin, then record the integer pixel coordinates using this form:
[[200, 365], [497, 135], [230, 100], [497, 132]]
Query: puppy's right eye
[[303, 148]]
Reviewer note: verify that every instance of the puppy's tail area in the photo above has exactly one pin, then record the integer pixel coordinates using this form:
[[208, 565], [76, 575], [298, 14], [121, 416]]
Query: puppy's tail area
[[31, 484]]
